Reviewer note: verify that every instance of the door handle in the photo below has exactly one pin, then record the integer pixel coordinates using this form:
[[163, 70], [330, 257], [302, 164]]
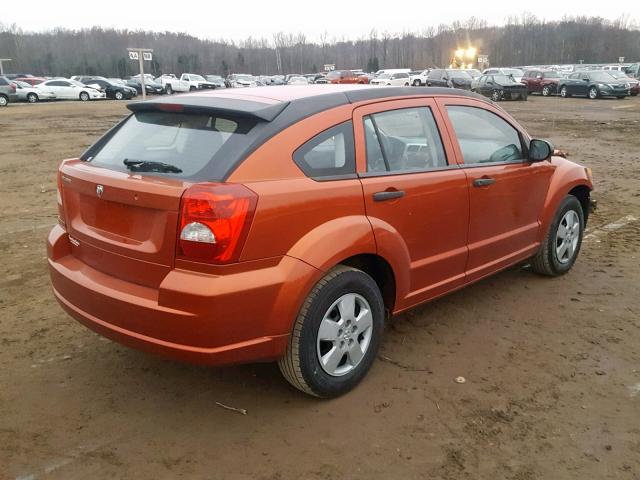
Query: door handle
[[387, 195], [483, 182]]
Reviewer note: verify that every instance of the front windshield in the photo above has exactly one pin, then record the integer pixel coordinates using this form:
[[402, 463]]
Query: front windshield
[[551, 75], [618, 75], [384, 75], [248, 78], [474, 73], [198, 78], [116, 81], [22, 84], [601, 76], [459, 74], [77, 83]]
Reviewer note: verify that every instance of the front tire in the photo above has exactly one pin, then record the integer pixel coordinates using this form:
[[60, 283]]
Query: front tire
[[168, 89], [32, 98], [495, 95], [564, 92], [336, 336], [84, 96], [561, 245], [416, 83], [4, 101], [119, 96]]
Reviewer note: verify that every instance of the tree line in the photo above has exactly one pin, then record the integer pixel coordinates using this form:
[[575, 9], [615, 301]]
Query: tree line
[[524, 40]]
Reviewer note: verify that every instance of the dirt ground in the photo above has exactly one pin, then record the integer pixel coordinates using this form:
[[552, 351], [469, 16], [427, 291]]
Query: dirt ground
[[552, 366]]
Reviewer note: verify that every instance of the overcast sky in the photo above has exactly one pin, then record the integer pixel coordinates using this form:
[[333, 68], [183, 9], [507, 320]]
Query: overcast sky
[[232, 19]]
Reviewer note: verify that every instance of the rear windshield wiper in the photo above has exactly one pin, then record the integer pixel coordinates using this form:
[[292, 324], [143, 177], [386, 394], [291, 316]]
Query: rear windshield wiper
[[147, 166]]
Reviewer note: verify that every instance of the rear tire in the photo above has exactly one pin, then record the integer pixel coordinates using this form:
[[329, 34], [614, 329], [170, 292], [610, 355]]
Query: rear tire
[[546, 91], [593, 93], [347, 309], [32, 98], [564, 92], [561, 245], [4, 101]]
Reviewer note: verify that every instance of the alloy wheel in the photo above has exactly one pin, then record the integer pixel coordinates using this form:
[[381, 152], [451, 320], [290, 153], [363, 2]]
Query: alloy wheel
[[563, 92], [344, 335], [593, 93], [3, 101], [567, 236], [546, 91]]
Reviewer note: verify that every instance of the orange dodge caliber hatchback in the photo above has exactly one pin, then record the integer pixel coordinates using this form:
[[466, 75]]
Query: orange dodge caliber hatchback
[[286, 223]]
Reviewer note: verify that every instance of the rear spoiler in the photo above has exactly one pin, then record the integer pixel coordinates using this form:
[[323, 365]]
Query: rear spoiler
[[217, 105]]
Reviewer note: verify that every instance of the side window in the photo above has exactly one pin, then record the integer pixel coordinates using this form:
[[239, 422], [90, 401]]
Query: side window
[[403, 140], [56, 83], [3, 82], [483, 136], [435, 75], [328, 154]]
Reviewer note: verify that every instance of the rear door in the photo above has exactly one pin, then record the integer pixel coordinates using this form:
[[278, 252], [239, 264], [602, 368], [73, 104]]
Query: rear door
[[506, 191], [415, 192]]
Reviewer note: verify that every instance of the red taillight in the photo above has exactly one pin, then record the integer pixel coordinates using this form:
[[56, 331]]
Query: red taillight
[[214, 222], [12, 86], [61, 219]]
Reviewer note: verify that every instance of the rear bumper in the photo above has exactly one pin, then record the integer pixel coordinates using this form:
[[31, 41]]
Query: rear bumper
[[240, 317]]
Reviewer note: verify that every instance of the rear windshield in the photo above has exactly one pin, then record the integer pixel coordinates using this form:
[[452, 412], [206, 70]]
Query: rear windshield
[[200, 144]]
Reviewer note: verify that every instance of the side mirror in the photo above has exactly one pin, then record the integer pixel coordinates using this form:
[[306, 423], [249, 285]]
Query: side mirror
[[585, 79], [540, 150]]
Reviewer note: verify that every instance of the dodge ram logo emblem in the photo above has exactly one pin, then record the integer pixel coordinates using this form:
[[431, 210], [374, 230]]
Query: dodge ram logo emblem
[[99, 190]]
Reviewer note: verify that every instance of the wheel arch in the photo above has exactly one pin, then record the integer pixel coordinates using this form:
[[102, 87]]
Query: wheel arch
[[568, 179], [380, 270]]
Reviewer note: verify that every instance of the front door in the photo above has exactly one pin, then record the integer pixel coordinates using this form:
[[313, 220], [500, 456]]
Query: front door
[[415, 195], [506, 191]]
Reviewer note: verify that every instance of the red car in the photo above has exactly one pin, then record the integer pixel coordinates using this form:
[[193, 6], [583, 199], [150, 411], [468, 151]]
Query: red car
[[346, 76], [541, 81], [287, 223]]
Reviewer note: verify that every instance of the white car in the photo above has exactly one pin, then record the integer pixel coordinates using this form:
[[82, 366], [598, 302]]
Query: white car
[[172, 84], [32, 94], [72, 90], [516, 73], [196, 82], [298, 81], [419, 80], [400, 79], [240, 80]]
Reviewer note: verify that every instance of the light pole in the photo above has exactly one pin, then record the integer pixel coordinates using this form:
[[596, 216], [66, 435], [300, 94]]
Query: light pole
[[141, 54], [1, 67]]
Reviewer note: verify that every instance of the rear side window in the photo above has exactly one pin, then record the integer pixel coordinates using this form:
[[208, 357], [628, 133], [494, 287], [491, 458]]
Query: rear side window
[[191, 142], [483, 136], [328, 154], [403, 140], [3, 81]]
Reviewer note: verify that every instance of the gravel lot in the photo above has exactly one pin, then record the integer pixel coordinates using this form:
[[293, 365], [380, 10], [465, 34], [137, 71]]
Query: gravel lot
[[552, 366]]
